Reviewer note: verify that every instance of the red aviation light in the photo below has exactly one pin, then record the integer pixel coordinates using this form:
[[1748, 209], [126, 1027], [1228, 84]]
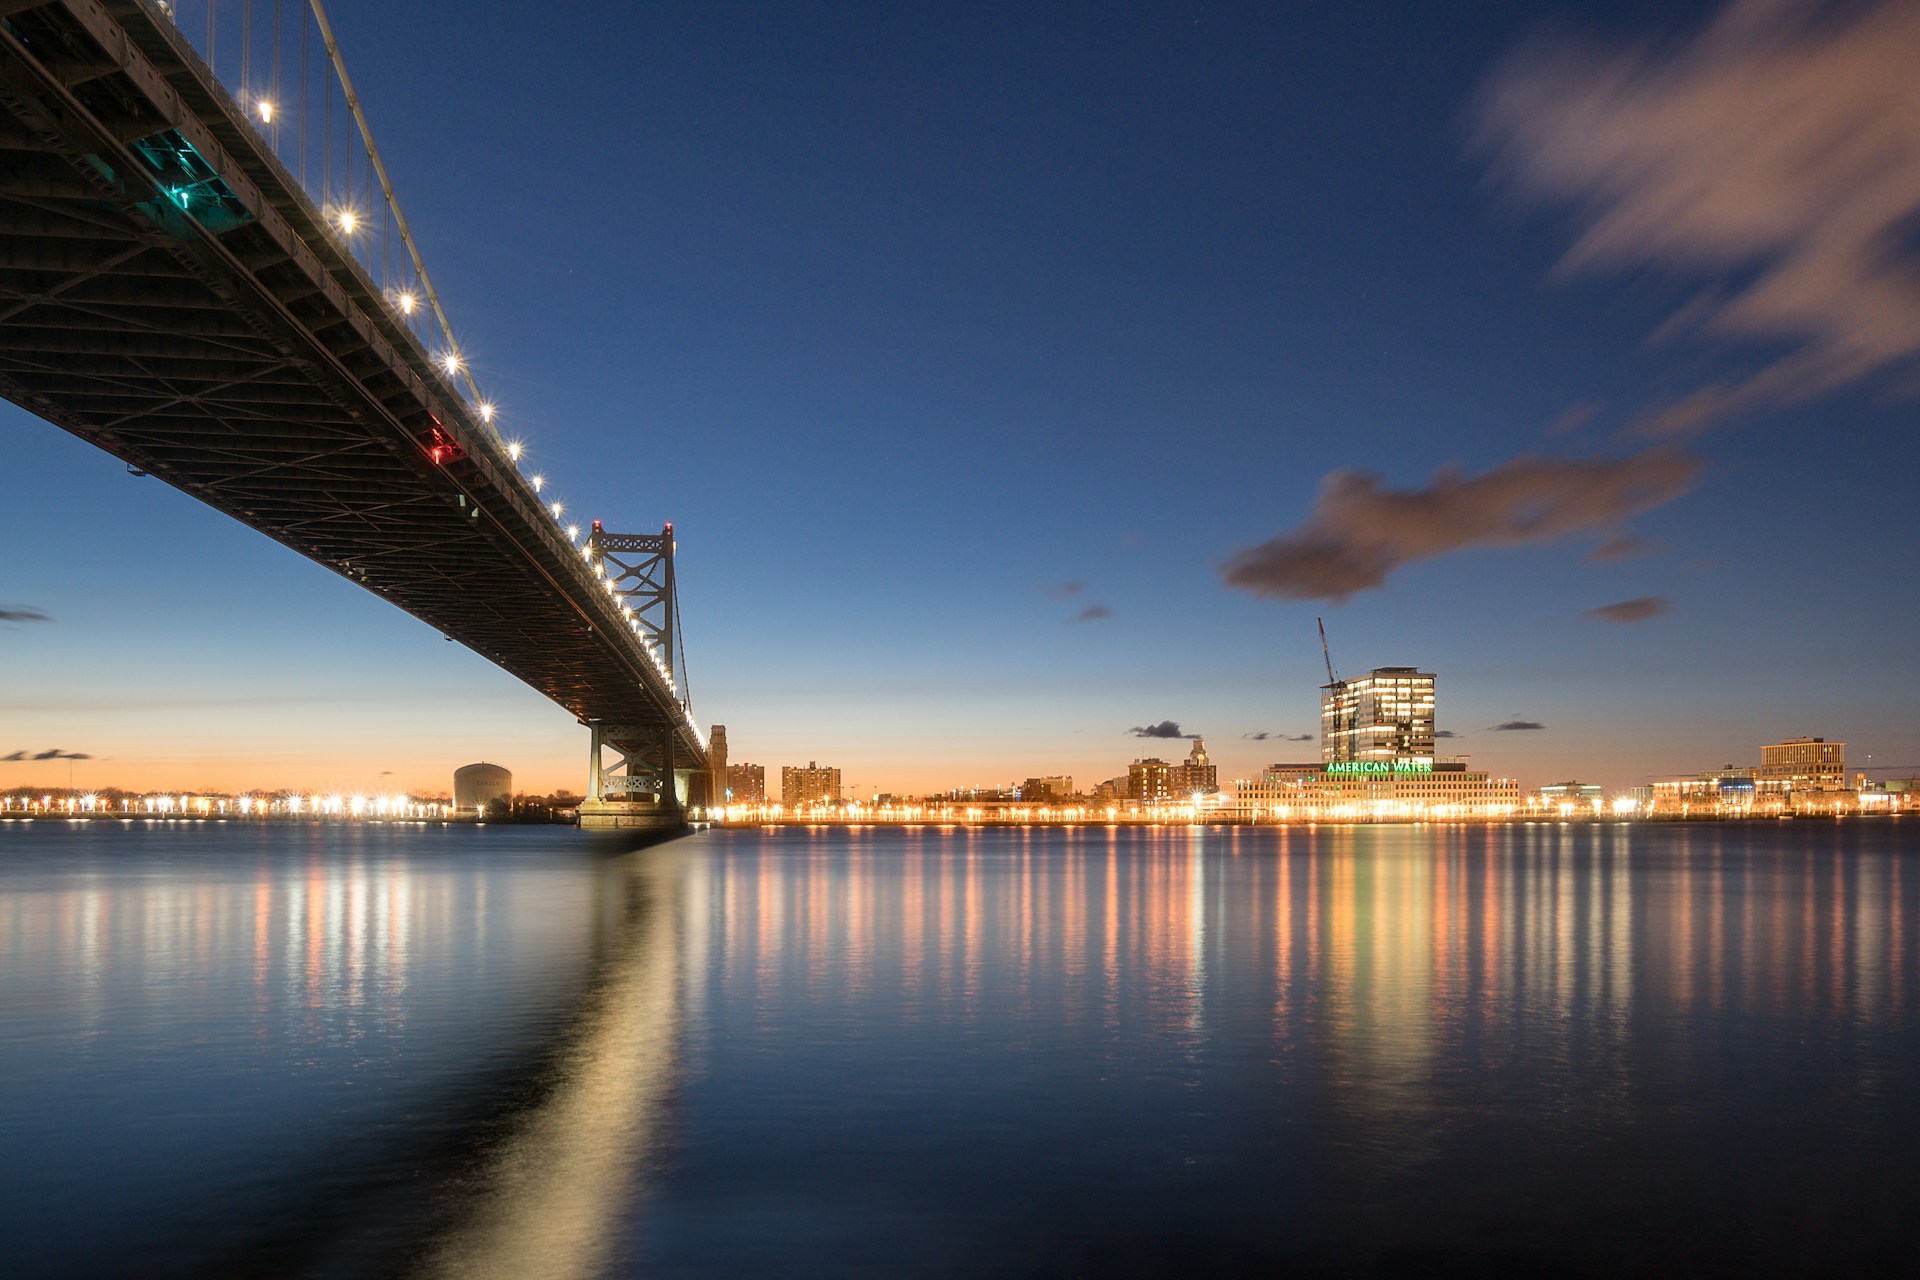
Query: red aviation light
[[441, 447]]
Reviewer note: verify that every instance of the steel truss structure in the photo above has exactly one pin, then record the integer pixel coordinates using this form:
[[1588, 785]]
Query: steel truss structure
[[169, 293]]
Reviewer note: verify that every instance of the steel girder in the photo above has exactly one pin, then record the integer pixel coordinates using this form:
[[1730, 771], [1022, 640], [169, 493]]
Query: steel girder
[[243, 356]]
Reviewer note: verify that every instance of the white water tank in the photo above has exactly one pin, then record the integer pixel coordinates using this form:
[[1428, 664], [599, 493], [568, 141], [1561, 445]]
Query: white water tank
[[477, 785]]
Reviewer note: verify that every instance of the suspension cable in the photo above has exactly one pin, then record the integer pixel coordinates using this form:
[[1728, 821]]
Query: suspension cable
[[386, 188]]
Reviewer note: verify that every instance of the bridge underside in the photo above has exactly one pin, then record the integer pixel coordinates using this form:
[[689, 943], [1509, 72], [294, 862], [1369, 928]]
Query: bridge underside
[[168, 293]]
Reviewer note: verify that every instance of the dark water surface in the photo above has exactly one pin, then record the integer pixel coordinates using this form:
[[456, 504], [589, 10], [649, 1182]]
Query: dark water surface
[[229, 1049]]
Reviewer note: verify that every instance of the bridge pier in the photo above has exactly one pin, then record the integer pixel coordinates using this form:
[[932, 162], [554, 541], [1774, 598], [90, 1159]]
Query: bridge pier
[[645, 789], [641, 791]]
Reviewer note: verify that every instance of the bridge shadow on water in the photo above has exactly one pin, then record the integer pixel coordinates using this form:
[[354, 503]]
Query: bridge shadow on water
[[529, 1170]]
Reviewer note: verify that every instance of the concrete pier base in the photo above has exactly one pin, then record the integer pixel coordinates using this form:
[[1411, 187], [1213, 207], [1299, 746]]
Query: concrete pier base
[[624, 815]]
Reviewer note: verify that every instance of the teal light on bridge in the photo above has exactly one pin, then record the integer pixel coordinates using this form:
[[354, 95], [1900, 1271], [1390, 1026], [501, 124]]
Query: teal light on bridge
[[192, 186]]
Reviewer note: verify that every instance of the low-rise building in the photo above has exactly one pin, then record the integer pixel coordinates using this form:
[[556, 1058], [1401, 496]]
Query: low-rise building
[[1569, 799], [1374, 791], [1727, 792]]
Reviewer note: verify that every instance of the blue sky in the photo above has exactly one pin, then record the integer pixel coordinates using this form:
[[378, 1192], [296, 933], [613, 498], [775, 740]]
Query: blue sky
[[908, 318]]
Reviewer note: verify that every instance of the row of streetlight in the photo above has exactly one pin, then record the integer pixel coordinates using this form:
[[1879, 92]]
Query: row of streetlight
[[348, 222]]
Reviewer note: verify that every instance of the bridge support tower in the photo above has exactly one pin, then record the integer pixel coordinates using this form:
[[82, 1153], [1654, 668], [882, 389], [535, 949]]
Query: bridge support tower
[[645, 785]]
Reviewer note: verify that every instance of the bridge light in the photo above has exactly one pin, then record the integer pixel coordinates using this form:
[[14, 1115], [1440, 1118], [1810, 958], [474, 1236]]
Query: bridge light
[[406, 301], [486, 411], [451, 362], [348, 221], [515, 449], [538, 483], [266, 110], [573, 533], [559, 509]]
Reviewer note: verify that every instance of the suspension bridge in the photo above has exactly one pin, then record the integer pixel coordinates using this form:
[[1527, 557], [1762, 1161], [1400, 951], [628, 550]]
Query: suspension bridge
[[207, 274]]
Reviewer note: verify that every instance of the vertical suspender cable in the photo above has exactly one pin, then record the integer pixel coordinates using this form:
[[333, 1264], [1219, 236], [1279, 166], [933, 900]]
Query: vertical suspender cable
[[273, 87], [386, 190], [326, 142], [303, 104]]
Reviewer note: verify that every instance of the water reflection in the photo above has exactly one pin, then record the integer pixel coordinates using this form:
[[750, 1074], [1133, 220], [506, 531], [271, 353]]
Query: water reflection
[[554, 1191], [952, 1051], [1402, 1001], [230, 1050]]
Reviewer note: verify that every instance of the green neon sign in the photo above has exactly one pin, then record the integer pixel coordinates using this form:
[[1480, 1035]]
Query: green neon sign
[[1379, 766]]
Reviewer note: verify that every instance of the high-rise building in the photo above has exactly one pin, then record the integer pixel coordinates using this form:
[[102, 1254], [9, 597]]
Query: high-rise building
[[1803, 764], [815, 784], [1052, 787], [1384, 716], [746, 783], [1198, 776]]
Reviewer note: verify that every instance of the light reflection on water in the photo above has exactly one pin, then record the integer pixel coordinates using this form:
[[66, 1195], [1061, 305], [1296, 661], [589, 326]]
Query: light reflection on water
[[1350, 1050]]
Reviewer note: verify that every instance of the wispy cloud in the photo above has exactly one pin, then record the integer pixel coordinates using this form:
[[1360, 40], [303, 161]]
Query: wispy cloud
[[51, 753], [1358, 532], [1092, 613], [1263, 736], [1773, 157], [1571, 419], [1631, 610], [1445, 733], [1165, 729], [1511, 726], [1061, 590], [1622, 546], [22, 613]]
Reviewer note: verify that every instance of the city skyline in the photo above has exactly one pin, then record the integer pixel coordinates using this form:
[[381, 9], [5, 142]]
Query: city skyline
[[1084, 455]]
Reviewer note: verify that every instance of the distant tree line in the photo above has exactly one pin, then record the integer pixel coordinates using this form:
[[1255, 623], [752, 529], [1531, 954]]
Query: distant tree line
[[560, 806]]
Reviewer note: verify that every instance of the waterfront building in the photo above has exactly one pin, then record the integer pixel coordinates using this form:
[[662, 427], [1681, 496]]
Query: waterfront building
[[475, 786], [1383, 716], [1803, 764], [1374, 791], [1150, 781], [746, 783], [1569, 799], [1114, 788], [1053, 787], [1727, 792], [1198, 776], [814, 784], [1889, 795]]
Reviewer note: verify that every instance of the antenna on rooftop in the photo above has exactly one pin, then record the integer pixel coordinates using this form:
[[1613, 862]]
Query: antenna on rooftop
[[1331, 678]]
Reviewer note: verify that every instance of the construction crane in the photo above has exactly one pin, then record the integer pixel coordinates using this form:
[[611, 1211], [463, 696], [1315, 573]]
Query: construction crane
[[1332, 679]]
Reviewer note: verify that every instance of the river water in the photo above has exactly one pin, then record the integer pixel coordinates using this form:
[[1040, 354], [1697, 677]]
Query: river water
[[234, 1049]]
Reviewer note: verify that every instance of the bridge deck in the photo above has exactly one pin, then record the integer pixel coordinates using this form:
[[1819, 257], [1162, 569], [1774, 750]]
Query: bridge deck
[[168, 293]]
